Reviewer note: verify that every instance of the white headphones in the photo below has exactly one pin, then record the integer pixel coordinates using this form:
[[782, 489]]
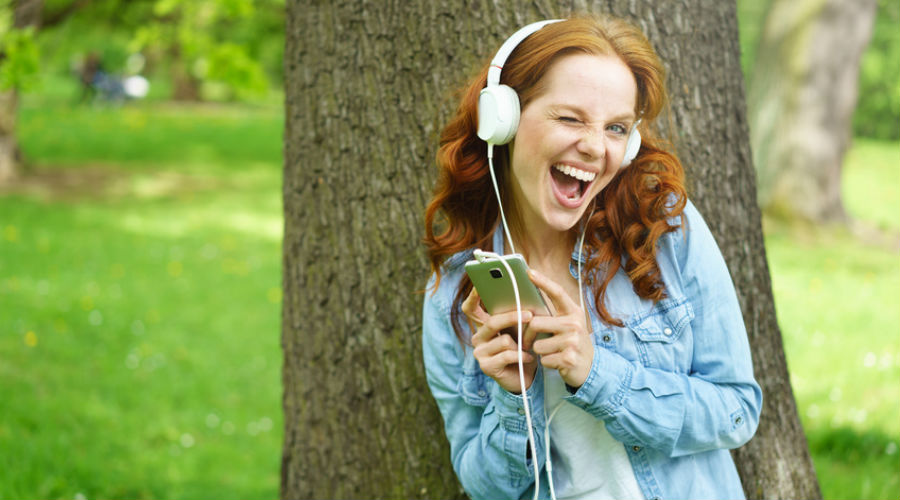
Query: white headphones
[[498, 105]]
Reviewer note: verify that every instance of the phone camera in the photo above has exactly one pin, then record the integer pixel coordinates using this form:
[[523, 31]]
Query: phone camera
[[495, 273]]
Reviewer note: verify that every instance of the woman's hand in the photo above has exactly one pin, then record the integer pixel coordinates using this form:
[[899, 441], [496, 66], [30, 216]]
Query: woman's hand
[[497, 354], [569, 349]]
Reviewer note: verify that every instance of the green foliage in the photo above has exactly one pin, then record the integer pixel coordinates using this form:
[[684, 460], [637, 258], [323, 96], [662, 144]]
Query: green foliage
[[751, 17], [878, 110], [232, 48], [216, 40], [20, 64], [229, 62]]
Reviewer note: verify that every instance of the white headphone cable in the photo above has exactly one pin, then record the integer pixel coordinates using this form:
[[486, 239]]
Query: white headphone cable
[[490, 156], [528, 421], [548, 463]]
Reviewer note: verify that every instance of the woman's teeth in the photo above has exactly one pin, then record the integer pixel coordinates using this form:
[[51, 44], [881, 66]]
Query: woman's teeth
[[581, 175]]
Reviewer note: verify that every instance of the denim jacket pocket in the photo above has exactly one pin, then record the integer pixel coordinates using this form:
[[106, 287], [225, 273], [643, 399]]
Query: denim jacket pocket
[[472, 385], [663, 334]]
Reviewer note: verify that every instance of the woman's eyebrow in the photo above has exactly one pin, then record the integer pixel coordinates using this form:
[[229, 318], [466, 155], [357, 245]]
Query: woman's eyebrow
[[567, 107], [626, 116]]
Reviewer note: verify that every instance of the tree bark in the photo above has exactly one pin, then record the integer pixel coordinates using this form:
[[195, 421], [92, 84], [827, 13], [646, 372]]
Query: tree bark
[[367, 88], [25, 13], [9, 147], [801, 99], [185, 87]]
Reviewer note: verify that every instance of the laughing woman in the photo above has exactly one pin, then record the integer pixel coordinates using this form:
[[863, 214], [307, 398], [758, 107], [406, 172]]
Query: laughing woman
[[650, 380]]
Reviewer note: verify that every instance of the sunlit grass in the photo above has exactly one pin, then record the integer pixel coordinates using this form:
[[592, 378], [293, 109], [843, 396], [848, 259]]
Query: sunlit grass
[[871, 180], [139, 319], [182, 135]]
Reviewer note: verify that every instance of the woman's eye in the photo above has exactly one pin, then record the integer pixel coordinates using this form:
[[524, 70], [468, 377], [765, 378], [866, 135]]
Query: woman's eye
[[568, 119], [619, 129]]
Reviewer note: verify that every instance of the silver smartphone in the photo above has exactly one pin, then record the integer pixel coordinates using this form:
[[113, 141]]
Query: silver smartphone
[[495, 287]]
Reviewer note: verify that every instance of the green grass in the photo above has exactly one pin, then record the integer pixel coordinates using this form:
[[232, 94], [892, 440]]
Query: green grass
[[871, 180], [139, 310]]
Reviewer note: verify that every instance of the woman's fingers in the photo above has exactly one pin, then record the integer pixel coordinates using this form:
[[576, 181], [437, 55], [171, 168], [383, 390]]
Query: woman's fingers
[[564, 304], [471, 307], [501, 351], [570, 353], [498, 359], [494, 323]]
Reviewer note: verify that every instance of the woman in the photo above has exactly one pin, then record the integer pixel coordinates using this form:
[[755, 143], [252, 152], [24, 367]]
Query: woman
[[651, 377]]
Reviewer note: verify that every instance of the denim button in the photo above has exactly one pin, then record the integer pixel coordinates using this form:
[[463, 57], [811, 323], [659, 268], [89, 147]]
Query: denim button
[[738, 420], [521, 411], [482, 393], [636, 448], [667, 331], [606, 338]]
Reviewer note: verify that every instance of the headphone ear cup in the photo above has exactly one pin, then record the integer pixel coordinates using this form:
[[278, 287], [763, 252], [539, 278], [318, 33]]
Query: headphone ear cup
[[632, 147], [498, 114]]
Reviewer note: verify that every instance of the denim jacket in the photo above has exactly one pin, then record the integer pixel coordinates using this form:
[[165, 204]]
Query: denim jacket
[[675, 385]]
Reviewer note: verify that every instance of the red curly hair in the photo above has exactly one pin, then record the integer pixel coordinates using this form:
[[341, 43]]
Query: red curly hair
[[632, 212]]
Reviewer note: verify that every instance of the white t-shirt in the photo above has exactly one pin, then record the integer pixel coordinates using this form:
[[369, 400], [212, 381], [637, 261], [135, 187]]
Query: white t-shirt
[[588, 463]]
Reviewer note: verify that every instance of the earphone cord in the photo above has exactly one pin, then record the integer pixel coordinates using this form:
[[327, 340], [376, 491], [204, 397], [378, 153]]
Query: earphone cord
[[512, 277], [490, 156], [548, 462], [528, 421]]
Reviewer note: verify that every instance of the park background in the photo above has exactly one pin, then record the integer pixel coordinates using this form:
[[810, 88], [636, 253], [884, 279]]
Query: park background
[[140, 264]]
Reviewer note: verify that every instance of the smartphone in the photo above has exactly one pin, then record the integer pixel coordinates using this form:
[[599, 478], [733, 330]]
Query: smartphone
[[495, 287]]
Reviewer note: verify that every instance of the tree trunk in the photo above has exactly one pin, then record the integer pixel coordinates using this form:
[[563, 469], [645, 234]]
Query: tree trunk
[[25, 13], [801, 100], [185, 87], [9, 147], [367, 87]]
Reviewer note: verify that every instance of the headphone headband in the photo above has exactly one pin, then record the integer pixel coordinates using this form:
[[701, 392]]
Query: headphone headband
[[506, 49]]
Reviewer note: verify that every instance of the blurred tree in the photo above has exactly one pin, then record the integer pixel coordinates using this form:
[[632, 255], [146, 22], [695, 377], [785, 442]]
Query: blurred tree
[[801, 99], [366, 93], [20, 21], [18, 64], [211, 41]]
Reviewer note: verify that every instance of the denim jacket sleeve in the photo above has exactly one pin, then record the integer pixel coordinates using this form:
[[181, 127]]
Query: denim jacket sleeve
[[484, 423], [714, 404]]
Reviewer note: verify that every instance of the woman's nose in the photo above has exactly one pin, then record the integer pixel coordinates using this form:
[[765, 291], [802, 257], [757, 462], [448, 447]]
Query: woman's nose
[[591, 144]]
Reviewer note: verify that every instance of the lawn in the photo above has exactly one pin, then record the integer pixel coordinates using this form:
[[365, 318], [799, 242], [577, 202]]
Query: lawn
[[140, 317], [140, 304]]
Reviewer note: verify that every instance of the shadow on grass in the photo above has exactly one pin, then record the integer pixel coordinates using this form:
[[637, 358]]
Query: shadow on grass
[[106, 182], [854, 464], [853, 445]]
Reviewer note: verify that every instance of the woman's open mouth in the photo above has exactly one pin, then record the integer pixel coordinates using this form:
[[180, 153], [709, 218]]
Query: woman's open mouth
[[570, 184]]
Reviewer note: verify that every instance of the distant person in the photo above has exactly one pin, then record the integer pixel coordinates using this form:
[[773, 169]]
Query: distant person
[[647, 366], [90, 74]]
